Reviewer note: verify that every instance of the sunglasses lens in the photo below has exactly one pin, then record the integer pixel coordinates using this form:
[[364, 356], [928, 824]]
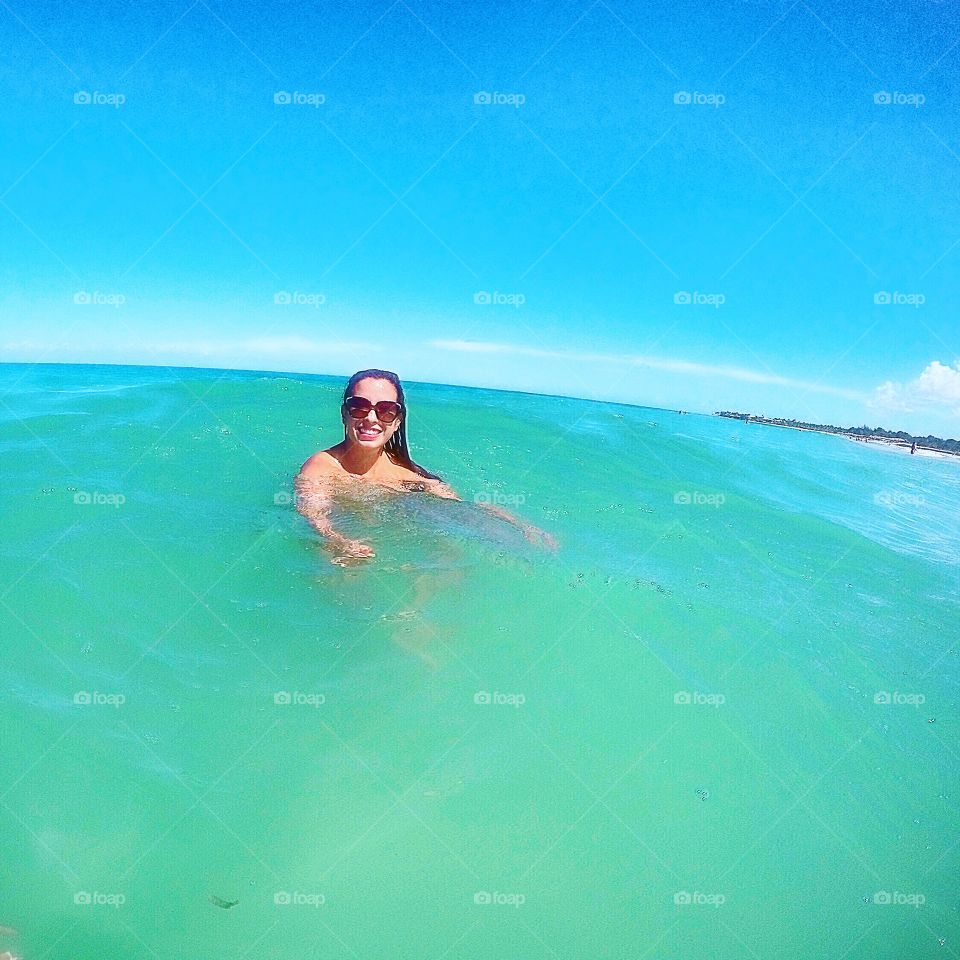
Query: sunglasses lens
[[387, 411], [357, 408]]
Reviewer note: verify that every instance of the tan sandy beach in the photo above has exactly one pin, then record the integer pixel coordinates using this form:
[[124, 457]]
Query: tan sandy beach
[[903, 447]]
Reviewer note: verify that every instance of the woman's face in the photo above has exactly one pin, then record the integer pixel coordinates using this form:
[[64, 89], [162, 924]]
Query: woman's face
[[370, 432]]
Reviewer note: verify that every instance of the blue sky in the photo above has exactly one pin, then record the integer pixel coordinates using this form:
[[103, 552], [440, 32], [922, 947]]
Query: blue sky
[[745, 205]]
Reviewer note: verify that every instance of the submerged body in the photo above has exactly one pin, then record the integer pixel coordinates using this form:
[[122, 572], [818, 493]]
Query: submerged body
[[323, 480], [373, 455]]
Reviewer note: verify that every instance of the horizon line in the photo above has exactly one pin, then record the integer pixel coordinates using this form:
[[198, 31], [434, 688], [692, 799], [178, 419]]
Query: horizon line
[[331, 376], [425, 383]]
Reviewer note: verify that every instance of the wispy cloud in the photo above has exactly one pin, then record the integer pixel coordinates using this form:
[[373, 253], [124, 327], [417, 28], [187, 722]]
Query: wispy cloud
[[207, 347], [668, 364], [270, 346]]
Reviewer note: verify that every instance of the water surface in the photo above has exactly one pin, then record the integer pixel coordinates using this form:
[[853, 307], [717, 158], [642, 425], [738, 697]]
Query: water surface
[[720, 722]]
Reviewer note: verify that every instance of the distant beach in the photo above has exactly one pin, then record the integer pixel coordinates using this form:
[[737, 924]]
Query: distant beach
[[900, 440], [900, 446]]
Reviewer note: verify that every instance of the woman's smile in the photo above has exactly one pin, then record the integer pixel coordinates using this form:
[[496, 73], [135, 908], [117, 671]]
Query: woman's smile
[[368, 431]]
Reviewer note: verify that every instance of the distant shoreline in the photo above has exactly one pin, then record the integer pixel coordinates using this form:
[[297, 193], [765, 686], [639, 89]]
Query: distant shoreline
[[902, 442], [903, 446]]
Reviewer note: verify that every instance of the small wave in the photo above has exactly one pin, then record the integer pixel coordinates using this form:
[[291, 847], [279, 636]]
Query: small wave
[[102, 389]]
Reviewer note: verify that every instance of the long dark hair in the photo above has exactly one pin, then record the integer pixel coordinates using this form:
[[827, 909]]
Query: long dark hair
[[396, 447]]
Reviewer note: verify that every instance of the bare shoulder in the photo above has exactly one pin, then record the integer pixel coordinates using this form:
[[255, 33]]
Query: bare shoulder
[[321, 464], [315, 482]]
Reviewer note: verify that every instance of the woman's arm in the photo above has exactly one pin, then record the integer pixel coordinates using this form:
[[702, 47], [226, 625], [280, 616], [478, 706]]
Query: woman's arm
[[441, 489], [313, 503], [531, 532]]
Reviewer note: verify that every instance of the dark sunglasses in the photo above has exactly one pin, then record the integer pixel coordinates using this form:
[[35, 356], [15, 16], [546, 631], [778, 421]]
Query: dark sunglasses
[[359, 407]]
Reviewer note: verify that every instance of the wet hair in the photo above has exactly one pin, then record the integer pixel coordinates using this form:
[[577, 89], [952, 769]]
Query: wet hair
[[396, 447]]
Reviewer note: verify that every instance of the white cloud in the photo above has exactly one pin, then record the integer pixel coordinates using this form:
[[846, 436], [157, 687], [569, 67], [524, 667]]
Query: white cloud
[[938, 386], [667, 364]]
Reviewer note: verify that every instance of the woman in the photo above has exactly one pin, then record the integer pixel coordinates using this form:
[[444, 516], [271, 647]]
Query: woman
[[373, 452]]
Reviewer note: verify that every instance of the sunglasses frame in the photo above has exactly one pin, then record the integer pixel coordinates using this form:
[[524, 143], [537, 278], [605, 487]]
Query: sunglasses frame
[[374, 406]]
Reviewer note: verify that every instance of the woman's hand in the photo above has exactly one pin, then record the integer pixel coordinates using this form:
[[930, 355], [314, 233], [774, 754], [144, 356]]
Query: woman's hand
[[350, 551], [533, 534]]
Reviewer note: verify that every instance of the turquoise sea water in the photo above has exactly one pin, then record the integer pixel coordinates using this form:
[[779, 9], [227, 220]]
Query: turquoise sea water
[[719, 722]]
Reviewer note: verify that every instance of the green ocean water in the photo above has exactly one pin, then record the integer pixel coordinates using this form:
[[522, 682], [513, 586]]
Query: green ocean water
[[719, 722]]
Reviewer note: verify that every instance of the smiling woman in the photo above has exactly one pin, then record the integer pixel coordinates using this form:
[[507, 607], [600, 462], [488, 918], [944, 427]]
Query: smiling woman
[[373, 454]]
